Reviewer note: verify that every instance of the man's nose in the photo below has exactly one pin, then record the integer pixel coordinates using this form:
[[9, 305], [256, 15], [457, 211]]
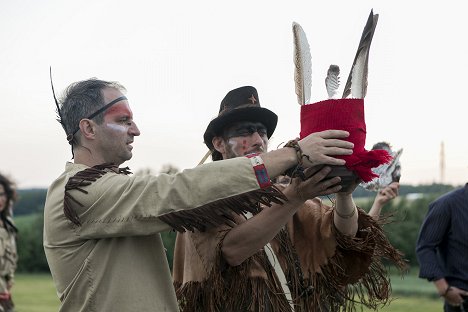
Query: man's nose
[[257, 139], [133, 130]]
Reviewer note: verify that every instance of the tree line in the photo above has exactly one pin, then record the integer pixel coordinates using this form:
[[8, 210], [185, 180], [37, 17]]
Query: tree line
[[404, 215]]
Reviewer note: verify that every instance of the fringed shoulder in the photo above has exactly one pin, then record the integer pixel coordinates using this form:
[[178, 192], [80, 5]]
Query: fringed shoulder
[[220, 212], [85, 178]]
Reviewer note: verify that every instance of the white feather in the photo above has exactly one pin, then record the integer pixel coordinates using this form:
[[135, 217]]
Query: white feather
[[332, 82], [303, 65]]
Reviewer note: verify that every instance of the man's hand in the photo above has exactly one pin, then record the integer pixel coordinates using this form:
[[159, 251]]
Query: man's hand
[[454, 296], [320, 147], [315, 185]]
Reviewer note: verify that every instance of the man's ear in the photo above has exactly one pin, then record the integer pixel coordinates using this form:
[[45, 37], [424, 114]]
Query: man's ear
[[219, 144], [88, 129]]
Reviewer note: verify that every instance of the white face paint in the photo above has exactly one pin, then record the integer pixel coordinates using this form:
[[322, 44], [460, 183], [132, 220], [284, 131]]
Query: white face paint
[[233, 143], [116, 127]]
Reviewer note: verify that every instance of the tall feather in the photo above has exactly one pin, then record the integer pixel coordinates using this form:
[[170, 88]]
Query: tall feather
[[332, 82], [357, 79], [303, 65]]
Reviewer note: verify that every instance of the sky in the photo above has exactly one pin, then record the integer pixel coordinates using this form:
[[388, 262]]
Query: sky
[[178, 59]]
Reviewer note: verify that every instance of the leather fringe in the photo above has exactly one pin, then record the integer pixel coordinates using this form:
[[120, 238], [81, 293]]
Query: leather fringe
[[337, 287], [85, 178], [232, 289], [219, 212]]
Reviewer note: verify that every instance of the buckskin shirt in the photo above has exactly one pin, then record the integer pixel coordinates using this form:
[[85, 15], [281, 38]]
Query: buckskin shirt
[[111, 258], [323, 268]]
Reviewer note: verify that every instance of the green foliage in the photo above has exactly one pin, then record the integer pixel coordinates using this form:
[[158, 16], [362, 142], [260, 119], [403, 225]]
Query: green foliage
[[405, 218], [30, 201], [30, 249]]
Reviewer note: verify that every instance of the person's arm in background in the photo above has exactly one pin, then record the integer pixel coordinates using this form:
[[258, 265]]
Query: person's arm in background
[[382, 198]]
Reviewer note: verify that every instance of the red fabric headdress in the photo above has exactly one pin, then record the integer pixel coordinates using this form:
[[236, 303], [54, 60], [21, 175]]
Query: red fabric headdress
[[345, 114]]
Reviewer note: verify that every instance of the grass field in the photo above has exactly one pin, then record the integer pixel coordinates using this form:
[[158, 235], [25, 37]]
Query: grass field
[[36, 293]]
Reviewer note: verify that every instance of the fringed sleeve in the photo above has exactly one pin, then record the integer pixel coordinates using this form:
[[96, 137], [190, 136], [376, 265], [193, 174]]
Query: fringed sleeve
[[219, 212], [195, 199]]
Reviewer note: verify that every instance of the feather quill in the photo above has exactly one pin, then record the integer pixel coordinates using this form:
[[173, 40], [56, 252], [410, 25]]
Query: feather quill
[[303, 65], [332, 82], [356, 85]]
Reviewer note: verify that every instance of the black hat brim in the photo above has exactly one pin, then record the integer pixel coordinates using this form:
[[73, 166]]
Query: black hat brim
[[253, 114]]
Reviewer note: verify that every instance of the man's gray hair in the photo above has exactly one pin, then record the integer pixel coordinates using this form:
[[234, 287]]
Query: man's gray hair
[[80, 100]]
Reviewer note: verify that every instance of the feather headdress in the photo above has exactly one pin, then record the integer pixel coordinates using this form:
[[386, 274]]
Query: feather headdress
[[345, 114]]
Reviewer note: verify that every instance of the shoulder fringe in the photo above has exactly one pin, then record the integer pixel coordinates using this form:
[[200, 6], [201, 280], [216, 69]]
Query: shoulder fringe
[[85, 178], [219, 212], [339, 287], [233, 289]]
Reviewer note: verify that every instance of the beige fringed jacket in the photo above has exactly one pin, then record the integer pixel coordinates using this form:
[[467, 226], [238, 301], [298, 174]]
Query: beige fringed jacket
[[324, 269], [101, 230]]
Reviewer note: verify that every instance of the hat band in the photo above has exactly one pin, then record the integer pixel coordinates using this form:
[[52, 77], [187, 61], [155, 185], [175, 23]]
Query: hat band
[[226, 110]]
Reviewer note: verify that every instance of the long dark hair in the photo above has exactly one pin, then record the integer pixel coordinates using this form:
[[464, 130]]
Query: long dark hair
[[5, 215]]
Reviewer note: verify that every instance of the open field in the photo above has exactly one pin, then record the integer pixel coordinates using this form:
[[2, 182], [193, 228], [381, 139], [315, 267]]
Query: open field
[[36, 293]]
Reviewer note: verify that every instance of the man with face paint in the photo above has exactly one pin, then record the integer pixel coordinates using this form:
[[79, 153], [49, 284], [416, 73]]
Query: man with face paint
[[102, 225], [300, 256]]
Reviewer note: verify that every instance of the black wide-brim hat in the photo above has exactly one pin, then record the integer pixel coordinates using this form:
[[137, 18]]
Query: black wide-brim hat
[[241, 104]]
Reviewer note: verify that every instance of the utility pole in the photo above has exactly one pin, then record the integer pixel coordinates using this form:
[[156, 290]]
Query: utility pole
[[442, 163]]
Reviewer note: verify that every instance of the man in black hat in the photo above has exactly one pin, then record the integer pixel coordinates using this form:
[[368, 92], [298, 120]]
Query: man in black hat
[[299, 256]]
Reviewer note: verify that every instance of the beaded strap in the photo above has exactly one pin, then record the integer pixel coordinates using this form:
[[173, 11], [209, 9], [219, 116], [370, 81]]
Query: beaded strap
[[299, 154], [297, 170]]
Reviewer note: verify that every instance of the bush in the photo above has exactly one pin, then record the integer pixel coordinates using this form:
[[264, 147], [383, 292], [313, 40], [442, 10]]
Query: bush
[[30, 249]]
